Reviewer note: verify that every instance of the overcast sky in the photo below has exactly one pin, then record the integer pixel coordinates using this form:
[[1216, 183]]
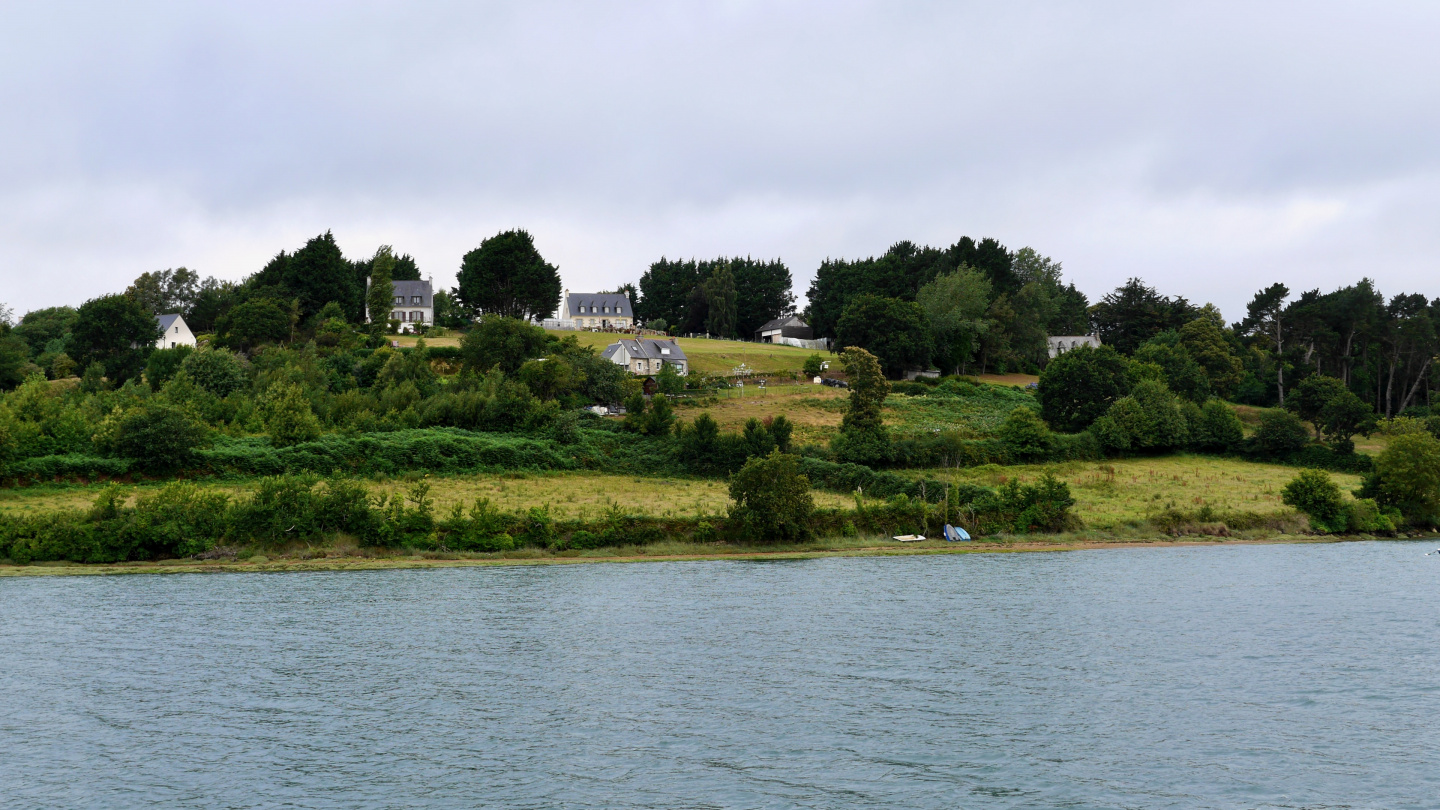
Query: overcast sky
[[1208, 148]]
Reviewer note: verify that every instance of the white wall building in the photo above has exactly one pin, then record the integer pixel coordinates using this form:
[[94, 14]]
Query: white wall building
[[595, 311], [176, 332], [412, 304], [1059, 344]]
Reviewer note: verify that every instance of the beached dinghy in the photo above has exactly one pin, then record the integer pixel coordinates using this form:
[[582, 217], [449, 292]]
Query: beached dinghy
[[955, 534], [909, 538]]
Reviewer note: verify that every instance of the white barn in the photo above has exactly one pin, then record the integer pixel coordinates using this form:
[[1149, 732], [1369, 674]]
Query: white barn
[[175, 332]]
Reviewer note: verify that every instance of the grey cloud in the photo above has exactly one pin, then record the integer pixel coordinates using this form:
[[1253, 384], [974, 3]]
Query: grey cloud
[[1209, 149]]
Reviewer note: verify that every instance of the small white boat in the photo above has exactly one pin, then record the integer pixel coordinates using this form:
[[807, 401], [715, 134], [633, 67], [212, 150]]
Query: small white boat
[[909, 538]]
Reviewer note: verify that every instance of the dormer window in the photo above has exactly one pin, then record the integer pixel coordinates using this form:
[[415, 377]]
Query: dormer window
[[399, 299], [414, 299]]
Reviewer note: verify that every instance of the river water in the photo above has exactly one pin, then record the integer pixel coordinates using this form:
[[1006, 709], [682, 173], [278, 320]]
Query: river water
[[1226, 677]]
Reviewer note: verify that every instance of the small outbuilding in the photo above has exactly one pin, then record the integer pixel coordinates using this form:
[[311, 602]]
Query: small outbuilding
[[785, 326], [175, 332]]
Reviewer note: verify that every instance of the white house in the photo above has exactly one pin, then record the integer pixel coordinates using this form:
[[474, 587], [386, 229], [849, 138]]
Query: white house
[[646, 356], [176, 332], [413, 304], [595, 311], [1059, 344]]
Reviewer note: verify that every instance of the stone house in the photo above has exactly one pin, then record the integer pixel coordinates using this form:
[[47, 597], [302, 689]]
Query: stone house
[[646, 356], [596, 311]]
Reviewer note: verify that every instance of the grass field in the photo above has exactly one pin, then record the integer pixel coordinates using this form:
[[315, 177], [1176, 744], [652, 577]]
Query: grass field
[[569, 495], [1125, 493], [706, 356]]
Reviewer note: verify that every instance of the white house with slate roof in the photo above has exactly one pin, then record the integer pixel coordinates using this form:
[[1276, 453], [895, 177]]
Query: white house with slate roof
[[412, 304], [175, 332], [595, 311], [646, 356]]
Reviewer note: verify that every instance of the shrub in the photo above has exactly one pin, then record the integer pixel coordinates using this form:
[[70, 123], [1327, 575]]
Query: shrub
[[1280, 433], [1025, 434], [158, 435], [218, 371], [813, 365], [163, 364], [772, 498], [504, 342], [1218, 429], [1041, 506], [1313, 493], [289, 419]]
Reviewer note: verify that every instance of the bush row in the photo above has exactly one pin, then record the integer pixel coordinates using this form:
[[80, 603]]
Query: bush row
[[184, 519]]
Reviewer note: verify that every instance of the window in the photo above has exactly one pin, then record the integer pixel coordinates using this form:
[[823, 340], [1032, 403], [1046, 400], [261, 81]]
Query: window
[[394, 316], [605, 309], [399, 299], [417, 317], [415, 299], [664, 351]]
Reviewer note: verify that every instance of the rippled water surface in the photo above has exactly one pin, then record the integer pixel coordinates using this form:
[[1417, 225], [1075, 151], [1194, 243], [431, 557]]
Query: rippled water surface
[[1272, 676]]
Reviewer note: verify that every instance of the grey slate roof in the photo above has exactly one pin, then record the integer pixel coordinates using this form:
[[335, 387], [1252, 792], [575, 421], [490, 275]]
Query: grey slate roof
[[409, 289], [617, 302], [648, 348], [167, 321], [782, 321]]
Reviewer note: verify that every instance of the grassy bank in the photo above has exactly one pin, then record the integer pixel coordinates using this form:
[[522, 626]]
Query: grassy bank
[[344, 556]]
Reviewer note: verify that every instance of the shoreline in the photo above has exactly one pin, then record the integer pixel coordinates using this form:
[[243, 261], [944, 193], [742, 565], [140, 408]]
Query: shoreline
[[359, 563]]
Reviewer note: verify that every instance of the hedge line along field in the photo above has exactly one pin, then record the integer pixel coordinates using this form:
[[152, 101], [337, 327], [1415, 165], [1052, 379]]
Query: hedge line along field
[[573, 495], [1133, 492]]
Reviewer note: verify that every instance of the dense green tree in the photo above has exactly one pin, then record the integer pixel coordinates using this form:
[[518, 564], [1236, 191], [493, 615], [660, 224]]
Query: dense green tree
[[165, 291], [318, 274], [1204, 340], [771, 499], [1310, 397], [1025, 434], [862, 438], [550, 377], [163, 364], [1079, 386], [504, 342], [1183, 374], [955, 304], [157, 434], [255, 323], [722, 312], [1217, 429], [1407, 476], [289, 417], [115, 331], [14, 356], [41, 327], [217, 371], [1134, 313], [1313, 493], [213, 299], [1149, 420], [896, 332], [380, 296], [507, 276], [1345, 415], [673, 292], [1280, 433], [899, 273], [405, 269], [1265, 316]]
